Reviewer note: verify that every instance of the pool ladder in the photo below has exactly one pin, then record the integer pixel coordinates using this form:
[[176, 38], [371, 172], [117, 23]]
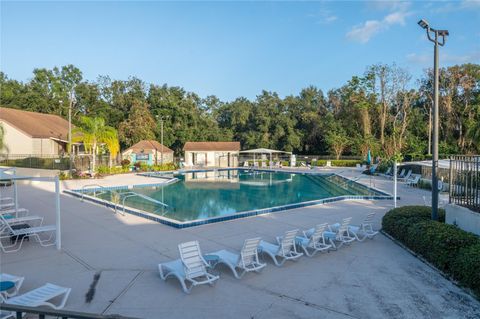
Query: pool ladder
[[126, 195]]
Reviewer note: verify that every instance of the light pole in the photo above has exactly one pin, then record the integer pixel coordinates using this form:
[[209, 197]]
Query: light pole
[[437, 35], [161, 118], [70, 147]]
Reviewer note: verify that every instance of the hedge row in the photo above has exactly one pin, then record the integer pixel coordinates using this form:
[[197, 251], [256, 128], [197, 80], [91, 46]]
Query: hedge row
[[450, 249], [339, 163]]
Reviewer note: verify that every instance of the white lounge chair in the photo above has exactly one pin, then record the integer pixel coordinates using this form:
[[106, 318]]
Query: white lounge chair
[[6, 205], [313, 240], [407, 176], [20, 235], [339, 234], [14, 212], [365, 229], [32, 221], [285, 250], [413, 180], [18, 281], [245, 164], [402, 173], [42, 296], [246, 261], [191, 267], [387, 174]]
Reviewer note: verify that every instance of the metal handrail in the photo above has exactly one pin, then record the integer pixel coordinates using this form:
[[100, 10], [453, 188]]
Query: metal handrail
[[104, 190], [133, 194], [94, 192], [64, 314]]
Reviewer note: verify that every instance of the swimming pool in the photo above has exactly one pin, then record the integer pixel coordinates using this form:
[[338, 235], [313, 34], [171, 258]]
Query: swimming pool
[[199, 197]]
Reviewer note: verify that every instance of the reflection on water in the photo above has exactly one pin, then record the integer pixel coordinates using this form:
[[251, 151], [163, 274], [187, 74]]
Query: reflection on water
[[200, 195]]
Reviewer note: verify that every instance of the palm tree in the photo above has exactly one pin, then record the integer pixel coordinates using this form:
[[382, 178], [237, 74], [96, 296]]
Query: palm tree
[[93, 132]]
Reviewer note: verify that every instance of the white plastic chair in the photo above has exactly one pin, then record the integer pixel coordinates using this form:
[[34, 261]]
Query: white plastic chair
[[339, 234], [365, 229], [413, 180], [32, 221], [313, 240], [191, 267], [20, 235], [246, 261], [42, 296], [285, 249]]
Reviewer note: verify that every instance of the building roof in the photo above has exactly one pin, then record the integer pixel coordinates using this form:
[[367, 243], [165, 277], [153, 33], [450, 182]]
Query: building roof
[[36, 125], [212, 146], [148, 146]]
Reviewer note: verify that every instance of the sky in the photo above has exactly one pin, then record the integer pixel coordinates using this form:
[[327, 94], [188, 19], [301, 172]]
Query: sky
[[233, 49]]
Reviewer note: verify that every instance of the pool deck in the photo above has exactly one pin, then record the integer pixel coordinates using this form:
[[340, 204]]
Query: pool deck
[[372, 279]]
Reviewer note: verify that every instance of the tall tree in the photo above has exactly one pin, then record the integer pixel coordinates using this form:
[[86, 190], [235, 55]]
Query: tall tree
[[139, 126]]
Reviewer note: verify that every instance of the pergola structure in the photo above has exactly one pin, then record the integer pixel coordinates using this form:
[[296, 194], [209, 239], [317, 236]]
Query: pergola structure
[[264, 151], [10, 174]]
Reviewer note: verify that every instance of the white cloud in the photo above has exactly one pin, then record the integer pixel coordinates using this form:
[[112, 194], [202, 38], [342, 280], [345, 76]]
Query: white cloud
[[396, 18], [324, 16], [364, 32]]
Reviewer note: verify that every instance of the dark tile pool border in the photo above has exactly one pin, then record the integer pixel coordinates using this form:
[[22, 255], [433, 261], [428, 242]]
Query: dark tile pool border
[[177, 224]]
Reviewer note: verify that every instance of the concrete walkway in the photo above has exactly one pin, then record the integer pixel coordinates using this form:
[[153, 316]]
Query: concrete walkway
[[373, 279]]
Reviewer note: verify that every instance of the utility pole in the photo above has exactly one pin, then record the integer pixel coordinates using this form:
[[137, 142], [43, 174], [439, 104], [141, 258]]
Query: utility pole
[[161, 141], [437, 35], [70, 146]]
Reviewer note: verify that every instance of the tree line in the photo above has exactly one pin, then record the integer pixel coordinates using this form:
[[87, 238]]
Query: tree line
[[383, 110]]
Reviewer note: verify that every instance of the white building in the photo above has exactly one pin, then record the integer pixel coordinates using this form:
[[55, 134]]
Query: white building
[[31, 133], [211, 154], [146, 151]]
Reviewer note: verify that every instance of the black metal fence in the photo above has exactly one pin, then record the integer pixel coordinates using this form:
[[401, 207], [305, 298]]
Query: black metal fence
[[21, 311], [465, 181], [80, 162]]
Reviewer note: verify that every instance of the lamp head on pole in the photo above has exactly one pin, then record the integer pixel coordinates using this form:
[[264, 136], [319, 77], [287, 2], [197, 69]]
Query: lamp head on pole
[[424, 24]]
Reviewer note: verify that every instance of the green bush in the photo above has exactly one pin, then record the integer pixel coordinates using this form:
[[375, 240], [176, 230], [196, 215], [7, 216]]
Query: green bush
[[163, 167], [450, 249], [339, 163], [105, 170], [464, 269], [437, 242]]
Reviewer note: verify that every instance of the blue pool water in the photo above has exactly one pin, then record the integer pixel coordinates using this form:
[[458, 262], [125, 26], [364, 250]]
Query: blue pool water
[[207, 194]]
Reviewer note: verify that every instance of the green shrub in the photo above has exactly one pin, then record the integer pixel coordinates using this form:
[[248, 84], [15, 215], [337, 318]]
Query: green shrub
[[437, 242], [103, 169], [339, 163], [163, 167], [464, 269], [450, 249], [125, 162]]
